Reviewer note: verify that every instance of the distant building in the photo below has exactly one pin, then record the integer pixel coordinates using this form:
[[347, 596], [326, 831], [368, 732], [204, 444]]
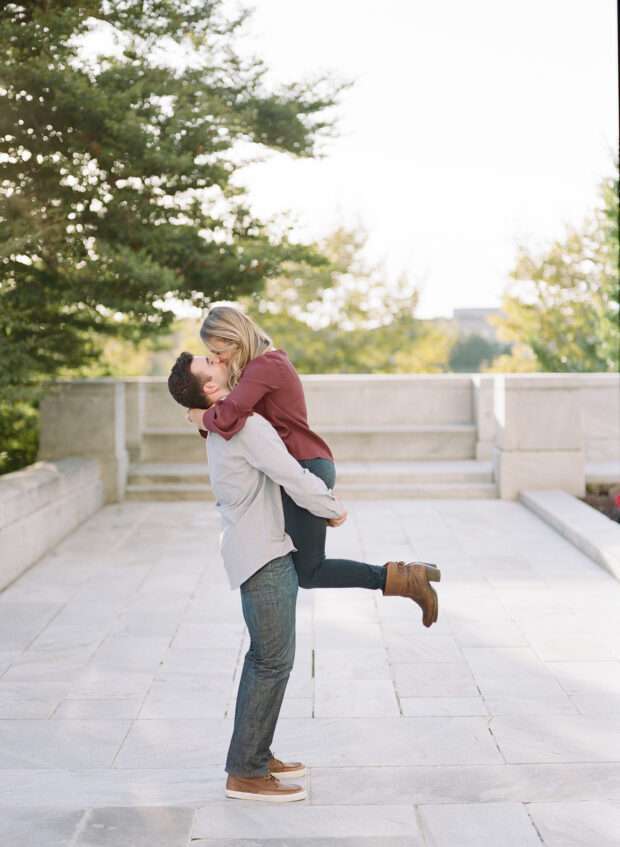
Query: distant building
[[475, 322]]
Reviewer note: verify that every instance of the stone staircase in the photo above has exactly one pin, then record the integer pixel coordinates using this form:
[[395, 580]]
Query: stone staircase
[[468, 479], [392, 437]]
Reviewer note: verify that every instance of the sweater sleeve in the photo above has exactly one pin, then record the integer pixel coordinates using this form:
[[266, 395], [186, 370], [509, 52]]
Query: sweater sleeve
[[264, 449], [228, 416]]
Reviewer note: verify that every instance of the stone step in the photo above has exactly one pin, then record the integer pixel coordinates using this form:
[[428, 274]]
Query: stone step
[[167, 444], [168, 491], [348, 443], [469, 470], [380, 491], [437, 472], [169, 473], [421, 491], [443, 479]]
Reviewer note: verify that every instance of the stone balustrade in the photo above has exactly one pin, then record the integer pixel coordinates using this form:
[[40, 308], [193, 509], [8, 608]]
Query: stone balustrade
[[539, 430]]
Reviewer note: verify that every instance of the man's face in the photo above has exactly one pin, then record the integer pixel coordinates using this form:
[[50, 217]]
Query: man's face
[[205, 369], [220, 350]]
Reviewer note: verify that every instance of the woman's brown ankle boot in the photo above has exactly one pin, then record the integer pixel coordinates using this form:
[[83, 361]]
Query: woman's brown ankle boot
[[412, 580]]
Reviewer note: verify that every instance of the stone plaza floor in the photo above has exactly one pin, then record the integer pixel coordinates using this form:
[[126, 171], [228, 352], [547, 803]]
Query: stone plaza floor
[[498, 727]]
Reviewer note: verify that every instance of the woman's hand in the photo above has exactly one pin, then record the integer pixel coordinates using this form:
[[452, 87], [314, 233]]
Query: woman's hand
[[194, 416], [339, 520], [214, 392]]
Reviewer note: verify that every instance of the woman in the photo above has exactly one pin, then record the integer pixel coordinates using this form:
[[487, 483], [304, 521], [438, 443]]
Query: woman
[[263, 380]]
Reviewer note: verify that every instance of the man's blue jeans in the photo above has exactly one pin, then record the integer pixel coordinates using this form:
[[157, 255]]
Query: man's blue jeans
[[269, 603]]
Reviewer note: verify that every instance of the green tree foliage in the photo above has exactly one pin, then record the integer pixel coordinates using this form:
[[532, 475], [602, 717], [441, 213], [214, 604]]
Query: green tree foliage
[[609, 304], [116, 189], [338, 318], [563, 304], [519, 360], [19, 438], [345, 318], [473, 352]]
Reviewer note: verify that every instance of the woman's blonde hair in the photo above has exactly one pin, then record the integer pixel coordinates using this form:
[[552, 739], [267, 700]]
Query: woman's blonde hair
[[242, 335]]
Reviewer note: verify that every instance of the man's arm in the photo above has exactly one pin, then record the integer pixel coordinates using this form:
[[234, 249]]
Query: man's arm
[[264, 449], [228, 416]]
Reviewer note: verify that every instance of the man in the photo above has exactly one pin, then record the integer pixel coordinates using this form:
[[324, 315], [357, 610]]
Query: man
[[246, 473]]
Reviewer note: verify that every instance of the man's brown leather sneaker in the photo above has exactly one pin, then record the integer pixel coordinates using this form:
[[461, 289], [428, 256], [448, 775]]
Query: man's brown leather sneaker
[[283, 769], [263, 788]]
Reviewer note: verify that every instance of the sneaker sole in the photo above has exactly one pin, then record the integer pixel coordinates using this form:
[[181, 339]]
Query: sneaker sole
[[269, 798]]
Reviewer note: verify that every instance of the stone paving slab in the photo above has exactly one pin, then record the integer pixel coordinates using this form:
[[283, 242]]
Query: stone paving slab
[[60, 743], [558, 738], [120, 655], [101, 787], [471, 825], [126, 827], [356, 841], [28, 827], [561, 824], [465, 784], [296, 820]]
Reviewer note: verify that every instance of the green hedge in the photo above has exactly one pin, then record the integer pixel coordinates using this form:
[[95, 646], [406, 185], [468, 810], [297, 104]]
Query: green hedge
[[19, 435]]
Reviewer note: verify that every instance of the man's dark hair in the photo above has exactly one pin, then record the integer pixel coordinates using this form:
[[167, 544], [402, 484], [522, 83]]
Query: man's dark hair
[[186, 387]]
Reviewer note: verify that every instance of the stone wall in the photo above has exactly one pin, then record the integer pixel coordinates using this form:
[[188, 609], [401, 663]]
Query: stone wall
[[599, 400], [87, 418], [540, 439], [398, 399], [41, 504], [540, 430], [549, 427]]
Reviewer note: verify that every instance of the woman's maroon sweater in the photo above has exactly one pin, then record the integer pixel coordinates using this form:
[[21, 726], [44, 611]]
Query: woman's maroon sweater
[[271, 386]]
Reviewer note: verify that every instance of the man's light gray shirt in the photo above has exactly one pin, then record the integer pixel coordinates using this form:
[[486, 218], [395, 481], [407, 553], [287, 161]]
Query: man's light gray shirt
[[246, 473]]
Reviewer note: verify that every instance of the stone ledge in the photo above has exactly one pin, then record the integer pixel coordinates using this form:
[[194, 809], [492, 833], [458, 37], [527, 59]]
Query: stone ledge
[[24, 492], [40, 505], [594, 534], [607, 473], [545, 381], [371, 429]]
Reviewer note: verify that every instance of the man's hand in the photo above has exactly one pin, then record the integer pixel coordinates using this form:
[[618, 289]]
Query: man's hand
[[339, 520]]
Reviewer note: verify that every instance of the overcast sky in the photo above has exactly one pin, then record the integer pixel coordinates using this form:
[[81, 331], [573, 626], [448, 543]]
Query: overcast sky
[[471, 126]]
